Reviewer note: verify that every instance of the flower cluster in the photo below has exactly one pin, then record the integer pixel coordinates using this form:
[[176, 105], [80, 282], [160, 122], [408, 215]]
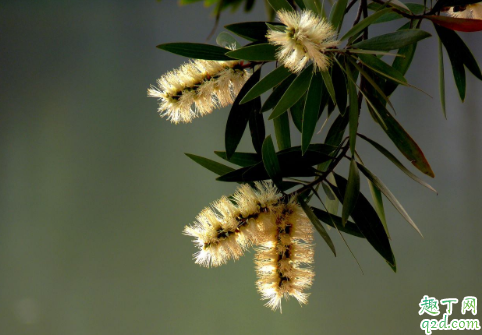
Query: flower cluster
[[306, 37], [258, 216], [198, 87], [472, 11]]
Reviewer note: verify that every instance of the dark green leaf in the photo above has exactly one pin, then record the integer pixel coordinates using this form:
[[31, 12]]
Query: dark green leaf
[[300, 4], [313, 5], [381, 186], [256, 128], [280, 4], [271, 80], [278, 92], [294, 92], [397, 163], [352, 192], [270, 160], [401, 64], [243, 159], [256, 52], [276, 27], [360, 26], [378, 202], [282, 131], [211, 165], [311, 111], [329, 85], [331, 202], [367, 221], [354, 110], [337, 14], [196, 50], [339, 84], [225, 40], [252, 31], [383, 68], [335, 222], [391, 41], [337, 130], [297, 113], [239, 115], [317, 224]]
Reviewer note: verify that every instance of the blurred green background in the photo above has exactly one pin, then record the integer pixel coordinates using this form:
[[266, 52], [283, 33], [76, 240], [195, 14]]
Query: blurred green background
[[95, 189]]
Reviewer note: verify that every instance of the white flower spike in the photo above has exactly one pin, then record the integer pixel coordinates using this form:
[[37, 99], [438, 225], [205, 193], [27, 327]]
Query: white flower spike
[[306, 37]]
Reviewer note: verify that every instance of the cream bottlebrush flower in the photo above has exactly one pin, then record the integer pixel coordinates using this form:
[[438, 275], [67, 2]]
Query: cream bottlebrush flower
[[198, 87], [473, 11], [280, 260], [229, 227], [307, 37]]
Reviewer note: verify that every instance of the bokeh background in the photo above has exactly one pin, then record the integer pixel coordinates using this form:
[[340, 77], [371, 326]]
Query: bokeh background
[[95, 189]]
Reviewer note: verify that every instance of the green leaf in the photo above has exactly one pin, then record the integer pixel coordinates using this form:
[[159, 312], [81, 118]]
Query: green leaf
[[239, 115], [243, 159], [317, 224], [257, 52], [441, 73], [397, 163], [294, 92], [337, 130], [329, 85], [331, 202], [300, 4], [196, 50], [297, 113], [337, 14], [391, 41], [270, 160], [311, 111], [276, 27], [335, 222], [379, 184], [407, 146], [401, 64], [225, 40], [211, 165], [271, 80], [360, 26], [278, 92], [353, 190], [339, 84], [282, 131], [379, 66], [257, 128], [354, 110], [252, 31], [313, 5], [280, 4], [378, 202], [367, 221]]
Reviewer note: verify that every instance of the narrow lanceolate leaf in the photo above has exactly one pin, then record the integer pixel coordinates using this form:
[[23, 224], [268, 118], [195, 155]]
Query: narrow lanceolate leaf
[[335, 222], [367, 221], [317, 224], [280, 4], [243, 159], [378, 202], [196, 50], [278, 92], [225, 40], [311, 111], [257, 128], [313, 5], [294, 92], [282, 131], [329, 85], [337, 14], [354, 110], [211, 165], [296, 112], [378, 183], [257, 52], [379, 66], [397, 163], [331, 202], [360, 26], [352, 192], [452, 23], [392, 41], [270, 160], [441, 73], [239, 116], [404, 142], [252, 31], [271, 80], [300, 4], [401, 64], [339, 84]]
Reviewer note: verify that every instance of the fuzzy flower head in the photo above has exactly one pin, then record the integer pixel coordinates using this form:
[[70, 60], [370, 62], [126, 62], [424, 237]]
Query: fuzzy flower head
[[198, 87], [306, 37], [473, 11]]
